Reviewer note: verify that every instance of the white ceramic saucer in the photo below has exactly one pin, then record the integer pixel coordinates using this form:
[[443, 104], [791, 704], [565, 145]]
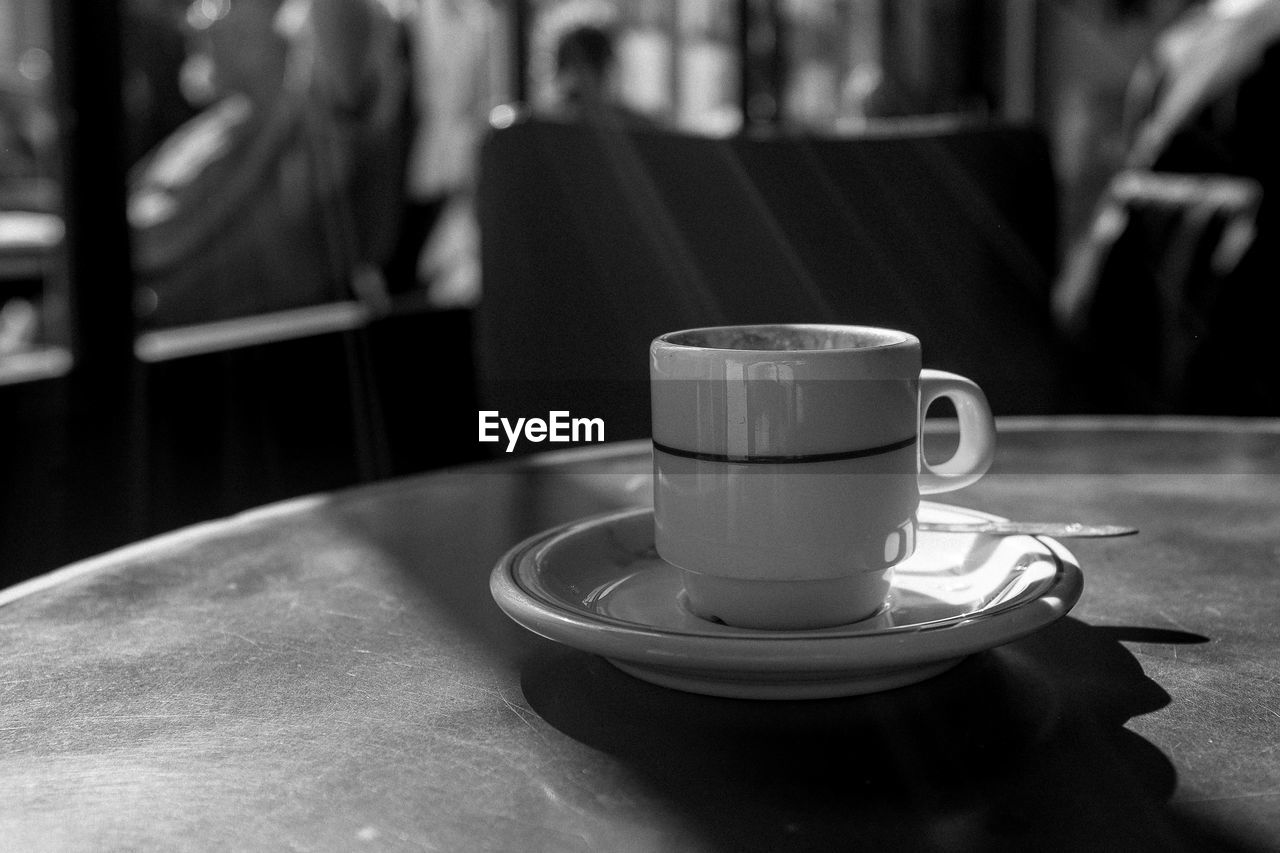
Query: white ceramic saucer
[[598, 585]]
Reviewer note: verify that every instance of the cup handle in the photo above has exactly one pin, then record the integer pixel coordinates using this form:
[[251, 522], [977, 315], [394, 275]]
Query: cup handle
[[977, 432]]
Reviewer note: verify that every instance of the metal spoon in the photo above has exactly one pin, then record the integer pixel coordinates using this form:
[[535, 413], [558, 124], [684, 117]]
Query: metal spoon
[[1062, 530]]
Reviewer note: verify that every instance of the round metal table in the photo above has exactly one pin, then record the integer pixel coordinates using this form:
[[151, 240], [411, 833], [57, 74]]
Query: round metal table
[[331, 673]]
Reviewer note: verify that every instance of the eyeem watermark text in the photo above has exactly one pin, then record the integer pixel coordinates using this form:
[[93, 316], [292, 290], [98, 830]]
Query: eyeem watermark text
[[559, 427]]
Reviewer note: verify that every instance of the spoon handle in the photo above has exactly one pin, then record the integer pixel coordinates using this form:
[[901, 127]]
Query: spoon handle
[[1064, 530]]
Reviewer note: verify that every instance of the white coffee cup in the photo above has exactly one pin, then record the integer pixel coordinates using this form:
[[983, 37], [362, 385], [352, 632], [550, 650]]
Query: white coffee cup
[[788, 466]]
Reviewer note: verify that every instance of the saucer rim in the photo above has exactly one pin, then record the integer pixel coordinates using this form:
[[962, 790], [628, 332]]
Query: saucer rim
[[816, 651], [861, 627]]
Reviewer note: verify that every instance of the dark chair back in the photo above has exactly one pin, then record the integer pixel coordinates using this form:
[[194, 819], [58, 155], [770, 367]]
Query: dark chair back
[[596, 240]]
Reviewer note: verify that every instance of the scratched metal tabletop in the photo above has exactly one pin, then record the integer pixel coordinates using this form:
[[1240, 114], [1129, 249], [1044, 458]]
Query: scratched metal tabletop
[[331, 673]]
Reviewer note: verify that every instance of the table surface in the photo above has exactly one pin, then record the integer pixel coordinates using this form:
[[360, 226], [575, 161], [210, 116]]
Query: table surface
[[331, 673]]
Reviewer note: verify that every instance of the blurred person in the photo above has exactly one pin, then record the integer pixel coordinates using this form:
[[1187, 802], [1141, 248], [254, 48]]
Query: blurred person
[[586, 78], [1201, 100], [586, 69], [1204, 104], [285, 190], [457, 68], [1199, 115]]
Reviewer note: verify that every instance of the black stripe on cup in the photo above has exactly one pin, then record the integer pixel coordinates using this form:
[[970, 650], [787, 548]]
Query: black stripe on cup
[[787, 459]]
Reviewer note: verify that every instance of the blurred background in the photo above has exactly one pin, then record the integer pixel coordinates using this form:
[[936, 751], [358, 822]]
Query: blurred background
[[251, 249]]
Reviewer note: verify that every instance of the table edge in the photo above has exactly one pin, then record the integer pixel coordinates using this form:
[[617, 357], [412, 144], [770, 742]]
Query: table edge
[[603, 452]]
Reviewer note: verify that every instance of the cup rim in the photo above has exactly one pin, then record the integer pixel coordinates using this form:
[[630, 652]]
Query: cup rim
[[897, 338]]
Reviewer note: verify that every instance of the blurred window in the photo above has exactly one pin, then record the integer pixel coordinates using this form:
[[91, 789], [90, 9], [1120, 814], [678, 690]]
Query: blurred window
[[675, 61], [809, 65], [32, 341]]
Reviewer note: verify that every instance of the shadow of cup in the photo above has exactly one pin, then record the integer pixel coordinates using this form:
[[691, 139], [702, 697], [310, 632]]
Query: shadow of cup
[[1019, 745]]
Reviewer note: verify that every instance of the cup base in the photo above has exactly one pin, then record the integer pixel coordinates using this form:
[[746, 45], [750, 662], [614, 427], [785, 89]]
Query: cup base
[[787, 605]]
